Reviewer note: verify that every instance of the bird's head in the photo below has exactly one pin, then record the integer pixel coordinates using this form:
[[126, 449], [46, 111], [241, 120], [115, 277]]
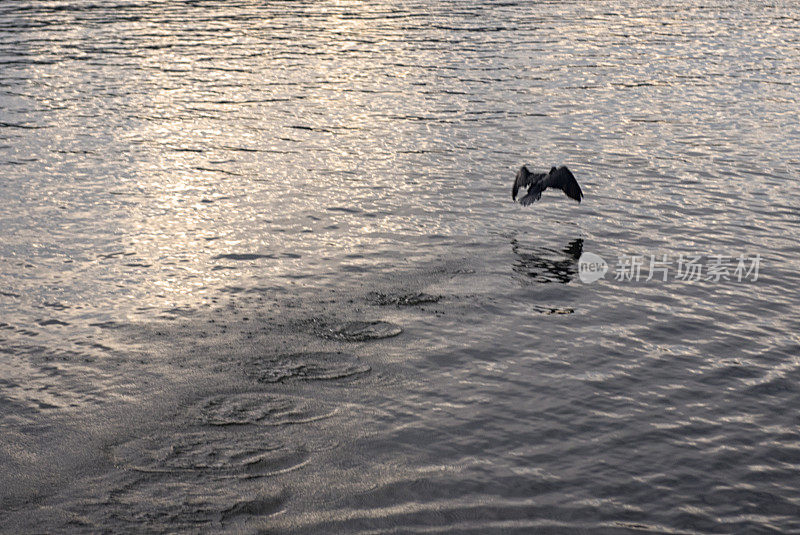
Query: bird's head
[[553, 170]]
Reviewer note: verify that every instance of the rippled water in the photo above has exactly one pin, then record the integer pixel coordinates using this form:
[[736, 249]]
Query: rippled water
[[260, 268]]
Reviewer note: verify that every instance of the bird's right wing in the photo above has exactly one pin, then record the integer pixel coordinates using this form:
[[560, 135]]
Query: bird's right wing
[[524, 179], [564, 180]]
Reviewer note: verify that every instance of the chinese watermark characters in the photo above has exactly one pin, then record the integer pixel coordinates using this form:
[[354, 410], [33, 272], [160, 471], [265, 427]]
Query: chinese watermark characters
[[662, 268]]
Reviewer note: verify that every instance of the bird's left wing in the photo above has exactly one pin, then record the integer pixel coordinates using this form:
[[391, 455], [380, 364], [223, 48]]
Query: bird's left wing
[[524, 179]]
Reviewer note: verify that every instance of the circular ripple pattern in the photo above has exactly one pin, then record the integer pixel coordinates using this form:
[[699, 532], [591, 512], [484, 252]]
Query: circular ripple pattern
[[361, 331], [248, 454], [314, 366], [260, 408]]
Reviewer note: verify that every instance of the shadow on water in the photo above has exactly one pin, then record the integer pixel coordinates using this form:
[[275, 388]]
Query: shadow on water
[[542, 264]]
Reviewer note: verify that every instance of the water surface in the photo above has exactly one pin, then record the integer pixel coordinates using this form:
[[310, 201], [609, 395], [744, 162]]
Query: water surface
[[260, 268]]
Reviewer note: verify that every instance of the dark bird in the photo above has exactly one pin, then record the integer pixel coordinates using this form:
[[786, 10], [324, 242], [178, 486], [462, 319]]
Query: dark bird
[[561, 178]]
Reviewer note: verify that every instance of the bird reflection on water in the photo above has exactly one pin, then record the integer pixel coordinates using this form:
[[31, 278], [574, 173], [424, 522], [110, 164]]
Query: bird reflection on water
[[542, 264]]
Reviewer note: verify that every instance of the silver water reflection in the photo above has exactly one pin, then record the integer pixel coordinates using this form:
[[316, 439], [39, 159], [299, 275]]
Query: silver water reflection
[[158, 159]]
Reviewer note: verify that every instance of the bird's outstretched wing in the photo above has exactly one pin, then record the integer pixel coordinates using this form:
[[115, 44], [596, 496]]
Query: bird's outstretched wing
[[563, 179], [524, 179]]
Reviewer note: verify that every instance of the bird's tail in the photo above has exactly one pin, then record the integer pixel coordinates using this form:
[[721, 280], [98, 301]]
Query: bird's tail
[[533, 195]]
